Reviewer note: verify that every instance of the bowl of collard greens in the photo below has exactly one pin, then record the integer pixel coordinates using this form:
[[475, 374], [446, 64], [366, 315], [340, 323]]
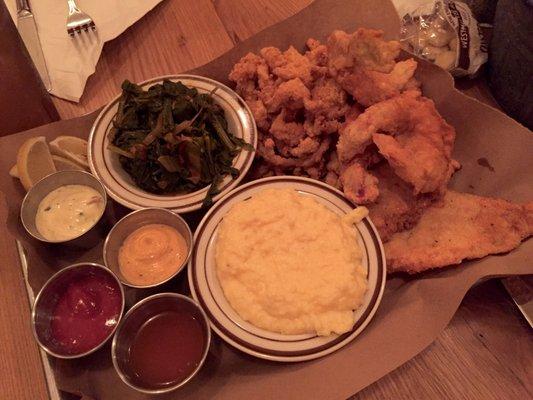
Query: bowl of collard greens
[[178, 142]]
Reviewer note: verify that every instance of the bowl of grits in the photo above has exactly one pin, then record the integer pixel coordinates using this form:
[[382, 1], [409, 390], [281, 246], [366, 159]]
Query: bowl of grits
[[63, 207], [287, 269], [148, 247]]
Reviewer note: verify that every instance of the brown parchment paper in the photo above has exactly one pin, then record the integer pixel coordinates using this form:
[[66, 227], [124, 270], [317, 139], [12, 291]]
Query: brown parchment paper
[[414, 310]]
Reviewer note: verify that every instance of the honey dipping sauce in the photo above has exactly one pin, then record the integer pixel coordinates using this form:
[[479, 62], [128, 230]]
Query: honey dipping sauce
[[167, 349], [68, 212], [151, 254]]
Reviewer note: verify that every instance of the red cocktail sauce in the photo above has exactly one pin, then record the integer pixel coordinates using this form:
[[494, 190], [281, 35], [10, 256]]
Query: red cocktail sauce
[[86, 313], [167, 349]]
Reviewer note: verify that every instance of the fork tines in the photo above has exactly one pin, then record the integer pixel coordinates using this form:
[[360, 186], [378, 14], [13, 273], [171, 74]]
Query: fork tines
[[78, 29]]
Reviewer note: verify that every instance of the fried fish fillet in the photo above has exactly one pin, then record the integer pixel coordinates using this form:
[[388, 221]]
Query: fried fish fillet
[[462, 227]]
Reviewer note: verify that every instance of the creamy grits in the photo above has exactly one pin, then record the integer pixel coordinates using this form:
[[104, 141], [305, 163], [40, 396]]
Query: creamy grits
[[288, 264], [68, 212], [151, 254]]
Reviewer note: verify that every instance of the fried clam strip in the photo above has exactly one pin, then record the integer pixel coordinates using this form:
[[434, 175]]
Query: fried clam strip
[[267, 150], [255, 84], [289, 95], [327, 98], [287, 133], [411, 135], [462, 227], [295, 104], [323, 109], [289, 64], [318, 56]]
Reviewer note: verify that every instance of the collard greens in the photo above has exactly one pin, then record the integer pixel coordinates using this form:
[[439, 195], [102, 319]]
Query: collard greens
[[172, 139]]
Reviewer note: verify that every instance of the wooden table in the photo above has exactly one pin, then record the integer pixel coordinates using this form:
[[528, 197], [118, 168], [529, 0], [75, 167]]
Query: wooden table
[[485, 352]]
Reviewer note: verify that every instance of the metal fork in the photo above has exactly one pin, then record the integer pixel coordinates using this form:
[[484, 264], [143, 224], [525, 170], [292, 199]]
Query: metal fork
[[77, 20]]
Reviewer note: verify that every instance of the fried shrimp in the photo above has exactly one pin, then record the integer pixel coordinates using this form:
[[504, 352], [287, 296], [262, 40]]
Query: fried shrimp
[[397, 208], [420, 155], [359, 185], [410, 134]]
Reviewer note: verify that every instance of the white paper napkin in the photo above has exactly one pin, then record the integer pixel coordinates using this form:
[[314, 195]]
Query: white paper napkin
[[70, 61]]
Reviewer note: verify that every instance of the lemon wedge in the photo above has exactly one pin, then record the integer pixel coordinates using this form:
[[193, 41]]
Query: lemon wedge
[[14, 172], [34, 161], [64, 164], [72, 148]]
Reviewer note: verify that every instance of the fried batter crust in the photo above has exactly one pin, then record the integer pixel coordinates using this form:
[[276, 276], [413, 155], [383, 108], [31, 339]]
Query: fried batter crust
[[462, 227]]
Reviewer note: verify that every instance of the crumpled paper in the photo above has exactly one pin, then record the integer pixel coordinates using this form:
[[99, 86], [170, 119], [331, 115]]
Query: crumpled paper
[[414, 309]]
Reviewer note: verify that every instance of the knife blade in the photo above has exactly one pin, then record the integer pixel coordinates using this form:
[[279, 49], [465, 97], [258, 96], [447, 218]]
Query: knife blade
[[28, 32], [520, 288]]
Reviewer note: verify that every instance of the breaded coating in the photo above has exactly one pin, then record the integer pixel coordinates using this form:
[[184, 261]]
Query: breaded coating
[[288, 65], [365, 48], [327, 98], [397, 208], [409, 132], [290, 94], [260, 114], [359, 185], [365, 66], [288, 132], [318, 56], [370, 87], [462, 227]]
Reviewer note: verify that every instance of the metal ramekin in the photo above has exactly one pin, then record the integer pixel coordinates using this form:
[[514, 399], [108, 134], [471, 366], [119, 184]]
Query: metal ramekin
[[134, 221], [47, 298], [41, 189], [135, 318]]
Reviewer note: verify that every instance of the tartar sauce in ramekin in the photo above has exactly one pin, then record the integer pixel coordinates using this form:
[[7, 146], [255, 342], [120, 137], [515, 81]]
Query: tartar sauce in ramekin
[[68, 211]]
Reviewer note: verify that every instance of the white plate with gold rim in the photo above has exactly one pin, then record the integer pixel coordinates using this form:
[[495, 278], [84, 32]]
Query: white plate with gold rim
[[105, 164], [206, 288]]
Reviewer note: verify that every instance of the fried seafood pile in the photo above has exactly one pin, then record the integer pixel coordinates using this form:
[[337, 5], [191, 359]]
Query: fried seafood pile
[[348, 113]]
